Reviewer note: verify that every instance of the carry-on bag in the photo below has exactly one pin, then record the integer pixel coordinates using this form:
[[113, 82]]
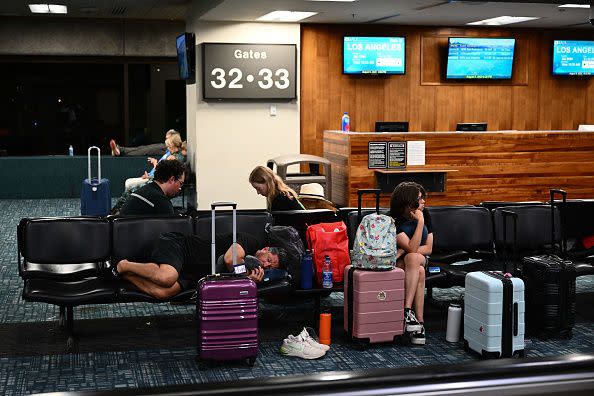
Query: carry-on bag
[[375, 240], [95, 195], [227, 309], [373, 304], [550, 296], [329, 239], [494, 314]]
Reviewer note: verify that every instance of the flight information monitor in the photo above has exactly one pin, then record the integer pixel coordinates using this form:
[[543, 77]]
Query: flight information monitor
[[373, 55], [480, 58], [573, 58]]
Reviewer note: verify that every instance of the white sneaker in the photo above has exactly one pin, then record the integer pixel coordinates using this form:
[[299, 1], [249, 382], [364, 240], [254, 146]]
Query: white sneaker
[[296, 346], [305, 336]]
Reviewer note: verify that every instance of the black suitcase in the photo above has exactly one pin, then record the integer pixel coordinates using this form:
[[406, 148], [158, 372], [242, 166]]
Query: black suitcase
[[550, 296]]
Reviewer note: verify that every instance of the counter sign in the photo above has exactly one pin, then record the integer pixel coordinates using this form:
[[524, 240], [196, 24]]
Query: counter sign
[[249, 71]]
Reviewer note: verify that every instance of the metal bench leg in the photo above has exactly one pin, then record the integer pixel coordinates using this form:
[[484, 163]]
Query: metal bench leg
[[71, 344], [62, 317], [317, 310]]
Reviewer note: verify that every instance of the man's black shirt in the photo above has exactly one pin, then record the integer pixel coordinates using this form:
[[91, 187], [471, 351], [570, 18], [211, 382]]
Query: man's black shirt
[[147, 200]]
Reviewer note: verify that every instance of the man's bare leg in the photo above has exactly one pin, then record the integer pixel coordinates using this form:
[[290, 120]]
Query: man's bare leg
[[163, 275], [151, 288]]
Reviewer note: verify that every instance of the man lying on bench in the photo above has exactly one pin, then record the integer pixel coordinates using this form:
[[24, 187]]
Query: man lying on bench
[[178, 261]]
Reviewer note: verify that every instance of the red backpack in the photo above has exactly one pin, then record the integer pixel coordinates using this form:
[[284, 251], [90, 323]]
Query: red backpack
[[329, 239]]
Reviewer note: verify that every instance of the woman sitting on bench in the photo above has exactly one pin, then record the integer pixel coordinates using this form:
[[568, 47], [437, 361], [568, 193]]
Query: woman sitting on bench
[[415, 237]]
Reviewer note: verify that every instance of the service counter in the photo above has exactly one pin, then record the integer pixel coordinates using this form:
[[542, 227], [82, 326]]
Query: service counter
[[61, 176], [468, 167]]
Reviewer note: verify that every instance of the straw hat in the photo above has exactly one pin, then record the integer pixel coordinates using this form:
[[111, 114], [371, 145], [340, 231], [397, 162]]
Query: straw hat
[[312, 191]]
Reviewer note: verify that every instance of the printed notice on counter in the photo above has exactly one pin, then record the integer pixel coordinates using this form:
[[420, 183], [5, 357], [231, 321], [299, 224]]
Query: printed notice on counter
[[396, 155], [376, 155], [415, 152]]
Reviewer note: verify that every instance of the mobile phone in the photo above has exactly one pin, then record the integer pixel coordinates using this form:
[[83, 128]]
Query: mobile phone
[[434, 270]]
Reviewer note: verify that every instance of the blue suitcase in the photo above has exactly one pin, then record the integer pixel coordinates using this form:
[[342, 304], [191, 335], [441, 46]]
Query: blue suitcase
[[95, 195]]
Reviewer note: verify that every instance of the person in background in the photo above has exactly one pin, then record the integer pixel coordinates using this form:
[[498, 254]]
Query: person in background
[[278, 195], [154, 197], [174, 151], [157, 149], [312, 196], [415, 242]]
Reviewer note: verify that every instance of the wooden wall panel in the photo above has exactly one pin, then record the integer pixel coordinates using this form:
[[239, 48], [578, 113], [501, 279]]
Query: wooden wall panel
[[533, 100], [488, 166]]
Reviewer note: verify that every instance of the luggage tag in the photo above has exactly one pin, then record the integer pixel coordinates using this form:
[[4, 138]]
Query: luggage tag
[[239, 269]]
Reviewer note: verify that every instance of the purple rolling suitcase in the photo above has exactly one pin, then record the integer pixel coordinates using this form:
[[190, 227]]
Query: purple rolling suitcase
[[227, 310], [95, 195]]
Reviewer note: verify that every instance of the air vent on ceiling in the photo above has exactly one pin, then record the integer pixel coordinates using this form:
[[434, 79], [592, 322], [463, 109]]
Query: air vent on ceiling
[[118, 10]]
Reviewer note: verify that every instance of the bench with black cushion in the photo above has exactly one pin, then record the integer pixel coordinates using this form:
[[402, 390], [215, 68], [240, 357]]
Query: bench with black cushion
[[61, 261], [133, 238], [576, 222], [462, 233], [353, 219], [534, 234]]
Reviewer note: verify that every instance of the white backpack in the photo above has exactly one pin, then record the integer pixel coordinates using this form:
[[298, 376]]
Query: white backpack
[[375, 243]]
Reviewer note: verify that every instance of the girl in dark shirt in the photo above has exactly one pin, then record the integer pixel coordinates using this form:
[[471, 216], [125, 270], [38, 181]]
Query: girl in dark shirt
[[278, 195], [415, 242]]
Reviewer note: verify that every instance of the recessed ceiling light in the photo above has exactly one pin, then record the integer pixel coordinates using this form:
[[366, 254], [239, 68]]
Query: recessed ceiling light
[[344, 1], [285, 16], [502, 20], [58, 9], [39, 8], [48, 8], [574, 6]]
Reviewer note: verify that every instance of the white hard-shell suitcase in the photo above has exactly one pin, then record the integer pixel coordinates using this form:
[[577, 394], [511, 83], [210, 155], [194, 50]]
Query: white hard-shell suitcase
[[494, 314]]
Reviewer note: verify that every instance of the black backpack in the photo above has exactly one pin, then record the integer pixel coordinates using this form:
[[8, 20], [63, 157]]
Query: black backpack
[[287, 238]]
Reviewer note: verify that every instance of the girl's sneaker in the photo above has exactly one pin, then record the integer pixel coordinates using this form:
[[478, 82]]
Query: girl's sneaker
[[411, 324]]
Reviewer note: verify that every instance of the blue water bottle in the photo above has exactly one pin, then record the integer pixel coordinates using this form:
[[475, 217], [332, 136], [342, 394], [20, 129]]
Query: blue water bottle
[[306, 271], [346, 122], [327, 273]]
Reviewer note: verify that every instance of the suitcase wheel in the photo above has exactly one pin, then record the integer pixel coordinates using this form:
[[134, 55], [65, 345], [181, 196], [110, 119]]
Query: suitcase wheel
[[466, 346], [490, 355], [522, 354], [251, 361]]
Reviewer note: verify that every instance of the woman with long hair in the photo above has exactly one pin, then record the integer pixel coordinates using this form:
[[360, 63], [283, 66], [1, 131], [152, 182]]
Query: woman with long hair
[[415, 242], [278, 195]]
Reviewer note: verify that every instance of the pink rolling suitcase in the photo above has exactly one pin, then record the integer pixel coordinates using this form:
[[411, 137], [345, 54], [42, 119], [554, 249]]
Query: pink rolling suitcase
[[373, 304], [227, 310]]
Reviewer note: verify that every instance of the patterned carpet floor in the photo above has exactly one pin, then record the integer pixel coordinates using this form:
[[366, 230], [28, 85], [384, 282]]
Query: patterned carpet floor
[[146, 345]]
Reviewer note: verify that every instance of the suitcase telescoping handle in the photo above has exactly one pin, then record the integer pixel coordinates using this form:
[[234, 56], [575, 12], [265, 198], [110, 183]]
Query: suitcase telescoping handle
[[563, 193], [213, 250], [360, 194], [514, 216], [98, 162]]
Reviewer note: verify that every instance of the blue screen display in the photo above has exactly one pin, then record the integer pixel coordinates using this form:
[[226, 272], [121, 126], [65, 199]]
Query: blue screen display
[[573, 58], [182, 58], [373, 55], [480, 58]]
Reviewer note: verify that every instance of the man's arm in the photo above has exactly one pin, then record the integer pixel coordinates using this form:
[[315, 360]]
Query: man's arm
[[229, 256]]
